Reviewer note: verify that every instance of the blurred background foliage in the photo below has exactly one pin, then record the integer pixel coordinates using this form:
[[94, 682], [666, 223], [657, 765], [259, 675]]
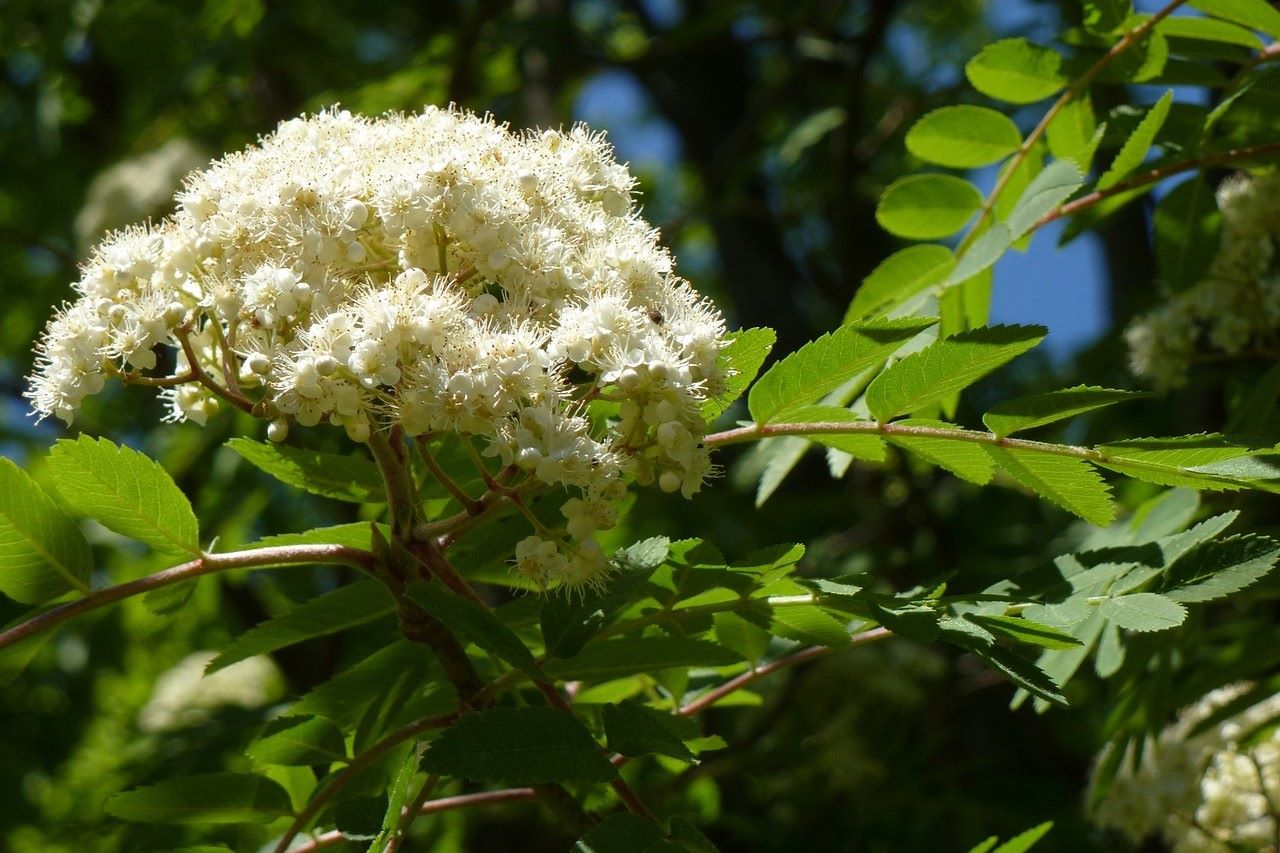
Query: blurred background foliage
[[762, 133]]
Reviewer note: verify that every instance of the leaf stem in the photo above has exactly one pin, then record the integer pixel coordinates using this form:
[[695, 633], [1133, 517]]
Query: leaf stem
[[357, 766], [1156, 175], [1077, 86], [241, 402], [470, 504], [411, 813], [203, 565], [753, 432]]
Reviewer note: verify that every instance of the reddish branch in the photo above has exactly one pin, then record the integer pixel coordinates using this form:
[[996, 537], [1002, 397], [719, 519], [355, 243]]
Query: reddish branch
[[205, 565]]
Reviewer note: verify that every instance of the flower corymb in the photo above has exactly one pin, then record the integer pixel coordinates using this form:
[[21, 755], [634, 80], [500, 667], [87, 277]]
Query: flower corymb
[[433, 273]]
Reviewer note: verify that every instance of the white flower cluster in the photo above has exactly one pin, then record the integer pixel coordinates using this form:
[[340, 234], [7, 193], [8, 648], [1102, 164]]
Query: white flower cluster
[[1211, 792], [434, 272], [1236, 308], [137, 188]]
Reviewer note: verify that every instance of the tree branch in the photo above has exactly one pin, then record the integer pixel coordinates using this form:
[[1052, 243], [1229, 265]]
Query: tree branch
[[1158, 174], [207, 564], [357, 766], [1077, 86]]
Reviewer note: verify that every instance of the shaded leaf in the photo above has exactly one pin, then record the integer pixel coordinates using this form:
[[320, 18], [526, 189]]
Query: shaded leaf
[[633, 729], [1186, 236], [294, 741], [345, 478], [1025, 631], [626, 833], [328, 613], [518, 745], [473, 622], [628, 655], [205, 798], [1217, 569]]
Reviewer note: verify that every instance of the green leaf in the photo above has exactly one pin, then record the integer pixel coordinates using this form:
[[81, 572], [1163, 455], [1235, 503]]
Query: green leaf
[[518, 745], [345, 478], [963, 137], [1207, 29], [43, 554], [926, 207], [1135, 148], [1016, 71], [128, 492], [1173, 461], [328, 613], [743, 636], [170, 599], [1014, 667], [1186, 238], [357, 534], [1025, 631], [344, 697], [1254, 14], [1213, 570], [473, 622], [633, 729], [297, 741], [823, 365], [626, 833], [1143, 611], [809, 623], [1024, 841], [1106, 16], [966, 460], [741, 358], [1073, 133], [360, 817], [808, 132], [205, 798], [628, 655], [899, 277], [1040, 409], [1072, 484], [1044, 194], [984, 252], [946, 367]]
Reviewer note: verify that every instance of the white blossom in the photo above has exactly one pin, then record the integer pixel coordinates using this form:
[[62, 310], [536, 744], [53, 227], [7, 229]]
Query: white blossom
[[1212, 791], [434, 272], [1235, 309]]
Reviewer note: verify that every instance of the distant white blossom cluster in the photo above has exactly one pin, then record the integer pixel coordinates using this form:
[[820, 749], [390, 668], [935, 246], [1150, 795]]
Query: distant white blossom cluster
[[135, 189], [434, 272], [1236, 308], [185, 696], [1209, 792]]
